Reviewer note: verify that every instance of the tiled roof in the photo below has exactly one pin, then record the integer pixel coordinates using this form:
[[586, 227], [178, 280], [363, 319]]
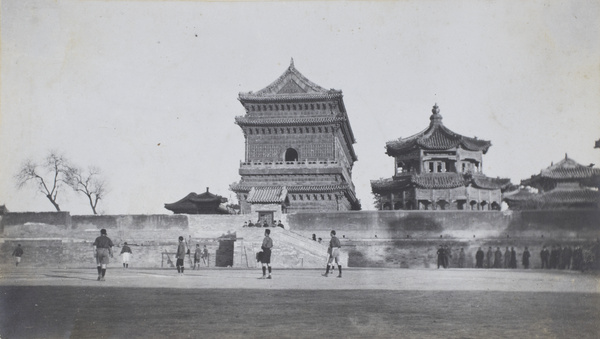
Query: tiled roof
[[571, 196], [236, 187], [554, 197], [245, 121], [267, 195], [439, 181], [436, 137], [518, 195], [565, 169], [491, 183], [205, 197], [291, 85]]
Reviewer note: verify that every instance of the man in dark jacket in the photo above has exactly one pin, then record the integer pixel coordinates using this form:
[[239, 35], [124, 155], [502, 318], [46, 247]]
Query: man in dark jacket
[[526, 256], [544, 255], [479, 258]]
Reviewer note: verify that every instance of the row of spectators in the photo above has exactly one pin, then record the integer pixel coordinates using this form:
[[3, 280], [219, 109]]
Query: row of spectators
[[558, 257], [264, 223]]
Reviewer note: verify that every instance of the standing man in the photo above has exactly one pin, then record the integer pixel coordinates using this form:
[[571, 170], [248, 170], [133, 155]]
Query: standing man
[[267, 244], [334, 250], [180, 256], [544, 254], [126, 253], [479, 258], [102, 249], [513, 258], [526, 256], [197, 256], [205, 255], [461, 258], [440, 257], [498, 258], [506, 257], [489, 256], [17, 253]]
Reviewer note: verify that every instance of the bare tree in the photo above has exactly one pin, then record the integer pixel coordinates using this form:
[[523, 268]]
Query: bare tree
[[47, 176], [89, 182]]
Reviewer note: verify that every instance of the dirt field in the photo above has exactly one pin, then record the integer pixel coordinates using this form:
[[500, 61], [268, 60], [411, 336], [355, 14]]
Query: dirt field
[[377, 303]]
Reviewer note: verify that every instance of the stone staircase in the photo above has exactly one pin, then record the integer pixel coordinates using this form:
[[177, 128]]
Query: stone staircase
[[290, 250]]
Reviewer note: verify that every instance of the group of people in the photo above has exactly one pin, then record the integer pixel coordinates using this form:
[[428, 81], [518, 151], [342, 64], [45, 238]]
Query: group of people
[[264, 223], [562, 258], [496, 259]]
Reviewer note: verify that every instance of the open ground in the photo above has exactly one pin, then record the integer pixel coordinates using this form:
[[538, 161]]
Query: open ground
[[365, 303]]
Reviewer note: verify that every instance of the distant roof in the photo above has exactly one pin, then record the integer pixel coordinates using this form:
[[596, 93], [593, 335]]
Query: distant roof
[[193, 203], [554, 198], [436, 137], [439, 181], [565, 169], [291, 85], [267, 195]]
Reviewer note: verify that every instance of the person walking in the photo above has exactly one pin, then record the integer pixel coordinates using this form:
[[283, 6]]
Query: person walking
[[266, 247], [17, 253], [180, 256], [126, 254], [479, 258], [334, 254], [102, 249], [525, 258]]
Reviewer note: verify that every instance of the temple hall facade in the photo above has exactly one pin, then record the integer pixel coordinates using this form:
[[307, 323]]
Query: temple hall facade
[[299, 149], [438, 169]]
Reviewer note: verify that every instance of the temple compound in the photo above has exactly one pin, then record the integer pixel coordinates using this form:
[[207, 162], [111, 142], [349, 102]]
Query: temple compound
[[437, 169], [564, 185], [299, 149], [205, 203]]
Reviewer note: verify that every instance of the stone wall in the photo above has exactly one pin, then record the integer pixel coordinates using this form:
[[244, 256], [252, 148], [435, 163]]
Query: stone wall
[[369, 238]]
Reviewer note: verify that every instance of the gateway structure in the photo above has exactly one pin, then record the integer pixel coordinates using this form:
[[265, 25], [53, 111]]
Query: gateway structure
[[438, 169], [299, 149]]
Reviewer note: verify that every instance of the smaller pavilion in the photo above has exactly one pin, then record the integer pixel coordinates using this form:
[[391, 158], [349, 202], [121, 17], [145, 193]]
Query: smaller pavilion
[[564, 185], [438, 169], [205, 203]]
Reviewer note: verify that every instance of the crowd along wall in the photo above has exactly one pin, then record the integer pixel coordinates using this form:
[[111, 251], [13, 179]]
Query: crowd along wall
[[369, 238]]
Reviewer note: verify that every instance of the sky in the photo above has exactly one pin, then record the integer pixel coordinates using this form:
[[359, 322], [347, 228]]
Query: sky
[[148, 90]]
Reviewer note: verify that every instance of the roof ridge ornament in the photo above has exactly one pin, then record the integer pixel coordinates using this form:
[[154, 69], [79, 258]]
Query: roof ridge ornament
[[436, 117], [291, 62]]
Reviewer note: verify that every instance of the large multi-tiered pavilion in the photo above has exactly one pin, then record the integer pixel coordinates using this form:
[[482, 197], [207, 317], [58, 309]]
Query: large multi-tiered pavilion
[[564, 185], [438, 169], [299, 149]]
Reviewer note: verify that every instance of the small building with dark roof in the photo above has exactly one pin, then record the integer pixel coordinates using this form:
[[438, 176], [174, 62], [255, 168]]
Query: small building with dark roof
[[205, 203], [564, 185], [438, 169]]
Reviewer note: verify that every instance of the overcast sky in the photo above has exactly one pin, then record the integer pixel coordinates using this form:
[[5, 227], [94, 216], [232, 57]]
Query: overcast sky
[[147, 90]]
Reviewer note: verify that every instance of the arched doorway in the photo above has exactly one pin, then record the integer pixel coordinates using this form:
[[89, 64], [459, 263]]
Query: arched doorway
[[291, 155]]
